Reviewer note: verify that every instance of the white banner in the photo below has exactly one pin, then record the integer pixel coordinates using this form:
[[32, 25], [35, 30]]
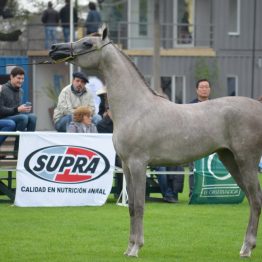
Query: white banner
[[64, 169]]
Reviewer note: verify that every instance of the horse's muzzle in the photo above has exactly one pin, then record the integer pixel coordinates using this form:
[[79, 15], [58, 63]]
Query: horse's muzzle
[[60, 51]]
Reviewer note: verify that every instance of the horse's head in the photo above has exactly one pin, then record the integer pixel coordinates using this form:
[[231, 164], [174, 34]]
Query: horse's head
[[78, 51]]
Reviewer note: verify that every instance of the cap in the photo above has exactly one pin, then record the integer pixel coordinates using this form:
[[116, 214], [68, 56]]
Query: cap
[[101, 91], [81, 76]]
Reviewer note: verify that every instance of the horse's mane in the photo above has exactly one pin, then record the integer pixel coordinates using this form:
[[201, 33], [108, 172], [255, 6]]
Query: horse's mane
[[135, 67]]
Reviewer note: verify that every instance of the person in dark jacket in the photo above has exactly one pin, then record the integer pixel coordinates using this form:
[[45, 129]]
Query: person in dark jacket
[[93, 19], [50, 19], [65, 19], [11, 106], [106, 124]]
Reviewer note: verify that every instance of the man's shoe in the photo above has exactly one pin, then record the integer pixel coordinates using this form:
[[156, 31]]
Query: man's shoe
[[170, 199]]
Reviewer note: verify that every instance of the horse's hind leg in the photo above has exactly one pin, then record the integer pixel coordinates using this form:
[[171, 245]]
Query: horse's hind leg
[[136, 180], [245, 174], [254, 196]]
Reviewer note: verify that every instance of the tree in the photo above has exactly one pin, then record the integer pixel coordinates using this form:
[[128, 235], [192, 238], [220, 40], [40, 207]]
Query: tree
[[156, 55], [7, 10]]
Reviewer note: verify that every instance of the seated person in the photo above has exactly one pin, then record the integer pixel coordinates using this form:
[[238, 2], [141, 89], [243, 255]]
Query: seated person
[[170, 185], [103, 106], [106, 124], [11, 106], [82, 121], [6, 125], [70, 98]]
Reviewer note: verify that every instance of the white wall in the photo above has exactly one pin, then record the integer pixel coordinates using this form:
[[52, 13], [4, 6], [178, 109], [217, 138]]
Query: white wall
[[43, 76]]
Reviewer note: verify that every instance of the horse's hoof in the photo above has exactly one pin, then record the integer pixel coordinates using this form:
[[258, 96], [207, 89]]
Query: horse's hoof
[[132, 255], [248, 255], [133, 252], [129, 254], [245, 254]]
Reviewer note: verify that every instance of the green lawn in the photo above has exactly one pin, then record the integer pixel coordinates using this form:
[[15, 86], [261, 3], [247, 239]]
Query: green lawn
[[173, 232]]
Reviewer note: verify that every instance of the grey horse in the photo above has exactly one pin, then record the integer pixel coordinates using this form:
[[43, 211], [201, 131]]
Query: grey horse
[[150, 130]]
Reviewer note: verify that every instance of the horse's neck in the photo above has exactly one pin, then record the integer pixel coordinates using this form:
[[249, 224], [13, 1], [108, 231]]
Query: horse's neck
[[127, 91]]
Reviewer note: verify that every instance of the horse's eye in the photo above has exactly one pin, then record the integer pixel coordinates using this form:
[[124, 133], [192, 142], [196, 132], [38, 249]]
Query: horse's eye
[[88, 44]]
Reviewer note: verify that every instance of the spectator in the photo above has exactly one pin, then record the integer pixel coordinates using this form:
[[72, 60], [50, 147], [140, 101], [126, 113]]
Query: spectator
[[106, 124], [93, 19], [65, 19], [50, 19], [6, 125], [70, 98], [103, 106], [170, 185], [82, 121], [11, 106], [203, 90]]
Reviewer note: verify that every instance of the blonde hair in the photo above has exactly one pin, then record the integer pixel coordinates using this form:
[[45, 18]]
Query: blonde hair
[[80, 112]]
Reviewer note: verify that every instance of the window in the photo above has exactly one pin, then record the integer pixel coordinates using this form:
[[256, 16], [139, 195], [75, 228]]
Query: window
[[166, 84], [184, 10], [174, 88], [232, 85], [143, 8], [234, 17], [179, 90]]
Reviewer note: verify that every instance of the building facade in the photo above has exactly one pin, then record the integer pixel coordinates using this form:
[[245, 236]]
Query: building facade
[[219, 40]]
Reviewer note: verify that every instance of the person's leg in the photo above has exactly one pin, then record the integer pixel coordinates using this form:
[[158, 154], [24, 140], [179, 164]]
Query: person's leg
[[162, 180], [191, 179], [191, 184], [52, 36], [31, 122], [62, 123], [177, 181], [46, 37], [165, 186], [66, 33], [21, 121], [6, 125]]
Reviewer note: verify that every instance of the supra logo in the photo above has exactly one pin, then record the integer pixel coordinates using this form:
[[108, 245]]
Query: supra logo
[[67, 164]]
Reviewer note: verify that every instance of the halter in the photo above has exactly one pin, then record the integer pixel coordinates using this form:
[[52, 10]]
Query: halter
[[73, 55]]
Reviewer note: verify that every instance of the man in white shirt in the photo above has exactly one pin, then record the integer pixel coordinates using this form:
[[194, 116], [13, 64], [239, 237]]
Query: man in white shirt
[[70, 98]]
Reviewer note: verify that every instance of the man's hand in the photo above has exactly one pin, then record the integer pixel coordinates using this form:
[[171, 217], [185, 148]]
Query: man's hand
[[24, 109]]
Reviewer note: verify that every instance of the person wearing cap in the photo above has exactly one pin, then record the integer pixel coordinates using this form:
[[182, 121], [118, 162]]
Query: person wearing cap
[[70, 98], [103, 105]]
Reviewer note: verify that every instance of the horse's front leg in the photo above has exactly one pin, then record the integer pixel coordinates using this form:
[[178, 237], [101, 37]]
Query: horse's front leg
[[130, 193], [136, 181]]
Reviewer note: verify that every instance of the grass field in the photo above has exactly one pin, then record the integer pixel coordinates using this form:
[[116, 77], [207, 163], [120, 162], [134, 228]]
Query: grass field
[[173, 232]]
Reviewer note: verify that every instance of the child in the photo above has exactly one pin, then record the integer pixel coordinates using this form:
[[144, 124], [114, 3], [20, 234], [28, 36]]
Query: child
[[82, 121]]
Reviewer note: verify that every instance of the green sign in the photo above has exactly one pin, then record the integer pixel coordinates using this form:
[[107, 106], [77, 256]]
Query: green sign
[[213, 183]]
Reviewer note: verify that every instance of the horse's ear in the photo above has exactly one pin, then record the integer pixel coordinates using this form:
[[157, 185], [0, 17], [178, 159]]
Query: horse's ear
[[104, 31]]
